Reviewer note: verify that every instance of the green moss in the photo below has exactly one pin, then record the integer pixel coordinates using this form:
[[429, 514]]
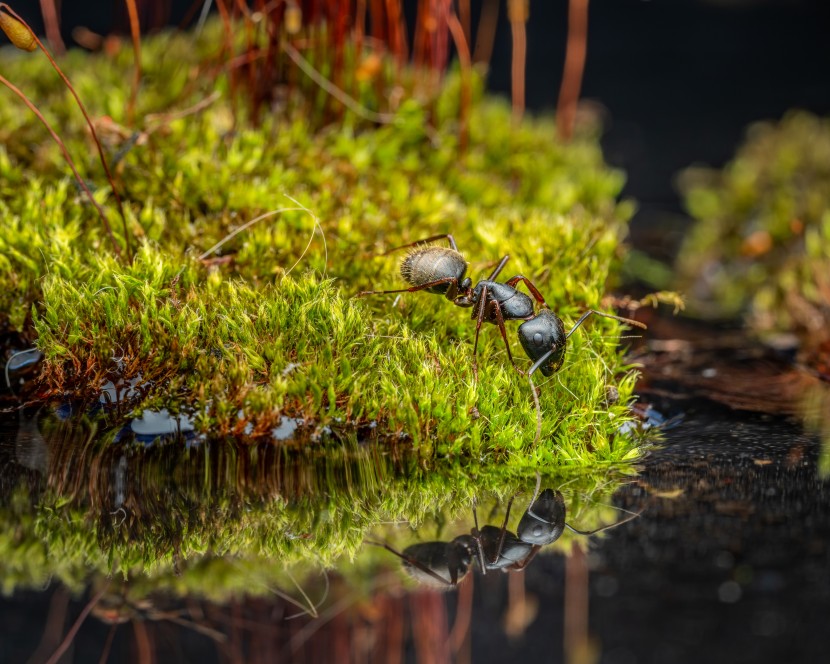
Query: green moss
[[274, 330], [762, 242]]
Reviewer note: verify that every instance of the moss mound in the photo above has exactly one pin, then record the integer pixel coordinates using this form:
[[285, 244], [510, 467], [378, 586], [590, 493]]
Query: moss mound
[[266, 326]]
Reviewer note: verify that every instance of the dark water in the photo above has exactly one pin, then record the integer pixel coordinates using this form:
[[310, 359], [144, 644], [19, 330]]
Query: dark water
[[728, 560]]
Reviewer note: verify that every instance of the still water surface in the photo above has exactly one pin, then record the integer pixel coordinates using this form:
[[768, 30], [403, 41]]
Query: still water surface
[[244, 553]]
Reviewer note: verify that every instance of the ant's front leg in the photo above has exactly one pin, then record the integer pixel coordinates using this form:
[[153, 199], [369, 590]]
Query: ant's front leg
[[495, 308], [479, 316]]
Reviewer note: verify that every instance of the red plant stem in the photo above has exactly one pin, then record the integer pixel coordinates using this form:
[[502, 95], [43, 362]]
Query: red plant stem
[[377, 22], [442, 42], [135, 31], [517, 18], [575, 55], [418, 55], [70, 87], [228, 28], [465, 17], [66, 156], [52, 24], [250, 45], [457, 31], [359, 27]]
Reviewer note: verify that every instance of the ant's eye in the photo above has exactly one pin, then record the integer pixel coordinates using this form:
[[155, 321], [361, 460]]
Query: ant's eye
[[537, 338]]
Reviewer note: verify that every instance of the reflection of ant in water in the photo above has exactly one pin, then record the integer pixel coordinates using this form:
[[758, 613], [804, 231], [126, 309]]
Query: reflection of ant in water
[[444, 564], [442, 271]]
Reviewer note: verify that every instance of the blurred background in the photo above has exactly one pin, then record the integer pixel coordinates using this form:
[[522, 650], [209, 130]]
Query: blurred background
[[678, 81]]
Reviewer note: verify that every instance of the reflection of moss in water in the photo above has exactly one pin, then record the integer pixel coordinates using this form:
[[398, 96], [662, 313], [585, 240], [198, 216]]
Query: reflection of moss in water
[[762, 241], [221, 518], [246, 336]]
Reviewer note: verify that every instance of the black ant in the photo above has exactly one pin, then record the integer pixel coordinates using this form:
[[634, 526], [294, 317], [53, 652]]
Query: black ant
[[442, 271], [445, 564]]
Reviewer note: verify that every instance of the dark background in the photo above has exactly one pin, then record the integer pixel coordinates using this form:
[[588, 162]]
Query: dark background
[[680, 79]]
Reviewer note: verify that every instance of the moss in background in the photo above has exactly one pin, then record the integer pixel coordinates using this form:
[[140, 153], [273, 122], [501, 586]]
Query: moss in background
[[761, 245]]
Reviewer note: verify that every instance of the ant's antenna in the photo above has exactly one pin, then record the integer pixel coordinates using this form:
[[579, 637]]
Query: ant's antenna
[[542, 360], [602, 528]]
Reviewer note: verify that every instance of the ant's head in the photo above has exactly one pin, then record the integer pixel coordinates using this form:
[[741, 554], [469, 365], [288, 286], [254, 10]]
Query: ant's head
[[543, 339], [544, 521]]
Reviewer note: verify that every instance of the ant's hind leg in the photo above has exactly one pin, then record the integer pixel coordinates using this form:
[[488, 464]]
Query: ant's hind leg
[[412, 561], [432, 238], [537, 295], [411, 289]]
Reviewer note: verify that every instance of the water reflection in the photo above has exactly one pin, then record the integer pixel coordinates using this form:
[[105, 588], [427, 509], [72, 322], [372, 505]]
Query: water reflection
[[443, 564], [252, 547], [205, 553]]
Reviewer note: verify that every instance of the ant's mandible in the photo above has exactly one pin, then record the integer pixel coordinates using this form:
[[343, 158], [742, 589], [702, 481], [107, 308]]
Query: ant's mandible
[[443, 270]]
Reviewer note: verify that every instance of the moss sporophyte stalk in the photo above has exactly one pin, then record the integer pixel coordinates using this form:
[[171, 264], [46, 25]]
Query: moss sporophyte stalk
[[267, 326]]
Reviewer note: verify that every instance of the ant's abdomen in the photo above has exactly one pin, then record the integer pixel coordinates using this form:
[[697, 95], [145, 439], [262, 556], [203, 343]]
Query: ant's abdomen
[[425, 264]]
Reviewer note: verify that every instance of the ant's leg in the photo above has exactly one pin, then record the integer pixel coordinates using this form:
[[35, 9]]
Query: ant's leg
[[500, 323], [431, 238], [518, 567], [530, 286], [503, 530], [412, 289], [582, 318], [477, 537], [499, 268], [411, 561], [479, 316]]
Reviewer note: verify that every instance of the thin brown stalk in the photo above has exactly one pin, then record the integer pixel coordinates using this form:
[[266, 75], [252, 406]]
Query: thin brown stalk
[[397, 31], [105, 653], [463, 49], [575, 55], [517, 14], [576, 641], [143, 643], [70, 635], [66, 156], [463, 615], [486, 32], [55, 620], [465, 16], [52, 24], [70, 87], [250, 46], [135, 31]]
